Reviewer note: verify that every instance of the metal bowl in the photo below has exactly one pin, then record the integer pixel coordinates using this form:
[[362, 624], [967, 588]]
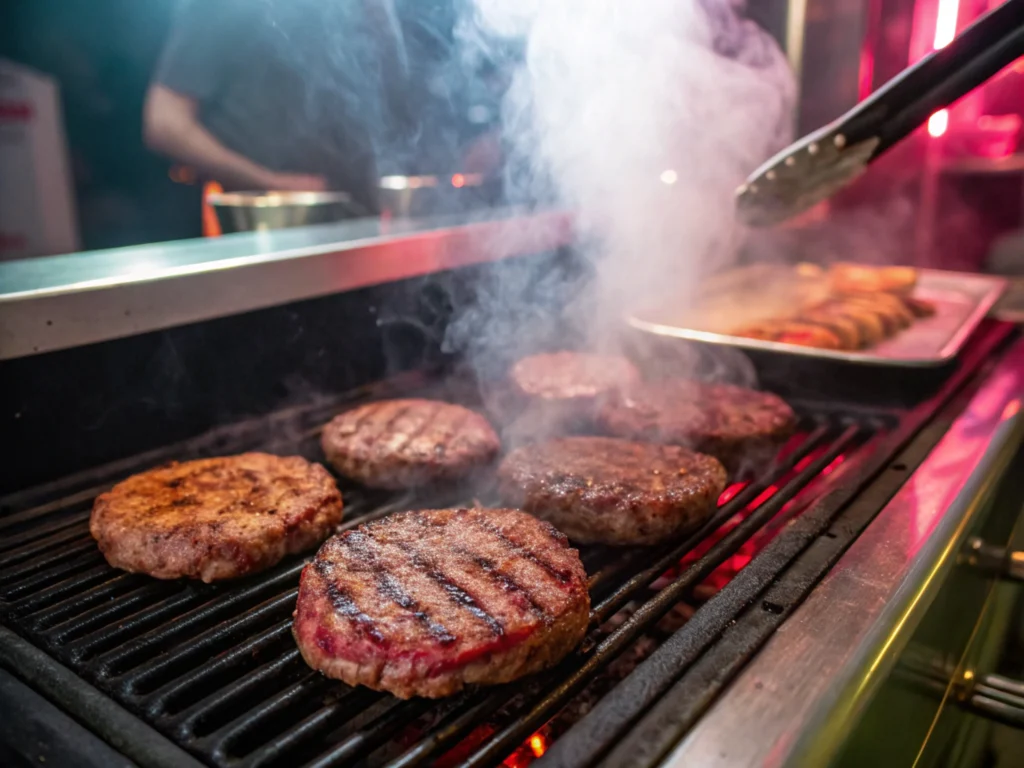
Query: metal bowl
[[411, 196], [250, 211]]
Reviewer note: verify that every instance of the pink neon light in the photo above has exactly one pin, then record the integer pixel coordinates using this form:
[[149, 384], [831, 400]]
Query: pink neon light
[[938, 123], [945, 23]]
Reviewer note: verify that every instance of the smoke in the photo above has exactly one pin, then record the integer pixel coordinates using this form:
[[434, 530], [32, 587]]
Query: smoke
[[870, 234], [642, 120]]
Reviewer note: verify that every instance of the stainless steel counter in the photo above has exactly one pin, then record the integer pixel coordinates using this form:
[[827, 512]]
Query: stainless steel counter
[[805, 691], [56, 302]]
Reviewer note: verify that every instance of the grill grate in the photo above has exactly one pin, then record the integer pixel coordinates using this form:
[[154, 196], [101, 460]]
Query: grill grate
[[215, 669]]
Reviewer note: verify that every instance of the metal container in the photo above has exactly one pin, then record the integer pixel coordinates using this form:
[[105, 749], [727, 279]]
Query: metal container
[[413, 196], [961, 299], [257, 211]]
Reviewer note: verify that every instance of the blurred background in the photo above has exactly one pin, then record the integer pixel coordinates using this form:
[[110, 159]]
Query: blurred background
[[74, 76], [100, 56]]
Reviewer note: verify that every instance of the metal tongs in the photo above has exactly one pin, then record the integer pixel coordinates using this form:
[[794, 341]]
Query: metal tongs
[[817, 166]]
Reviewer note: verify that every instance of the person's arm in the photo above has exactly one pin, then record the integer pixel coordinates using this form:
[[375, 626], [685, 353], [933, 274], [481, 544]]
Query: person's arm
[[200, 58], [171, 127]]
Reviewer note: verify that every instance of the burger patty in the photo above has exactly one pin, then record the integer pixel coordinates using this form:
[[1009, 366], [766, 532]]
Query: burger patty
[[740, 427], [216, 518], [601, 489], [424, 603], [572, 375], [562, 388], [406, 443]]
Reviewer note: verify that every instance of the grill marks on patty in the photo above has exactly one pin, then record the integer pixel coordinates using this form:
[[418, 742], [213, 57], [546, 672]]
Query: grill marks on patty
[[460, 596], [406, 443], [600, 489], [438, 601], [563, 576], [509, 585], [345, 605], [359, 547], [216, 518], [468, 563]]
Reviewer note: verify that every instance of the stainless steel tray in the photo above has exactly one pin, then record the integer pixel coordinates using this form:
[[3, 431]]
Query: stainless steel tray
[[962, 299]]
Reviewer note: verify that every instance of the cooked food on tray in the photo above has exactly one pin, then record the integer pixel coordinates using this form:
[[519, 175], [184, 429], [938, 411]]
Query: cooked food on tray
[[861, 278], [407, 443], [740, 427], [894, 314], [424, 603], [218, 518], [846, 332], [567, 384], [869, 327], [904, 317], [821, 335], [866, 306], [611, 491]]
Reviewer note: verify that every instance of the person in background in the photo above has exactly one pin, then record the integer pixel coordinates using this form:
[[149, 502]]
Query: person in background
[[309, 95]]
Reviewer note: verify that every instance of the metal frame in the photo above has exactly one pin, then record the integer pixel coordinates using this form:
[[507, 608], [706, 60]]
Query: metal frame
[[39, 733], [983, 291], [805, 691], [114, 724], [59, 302]]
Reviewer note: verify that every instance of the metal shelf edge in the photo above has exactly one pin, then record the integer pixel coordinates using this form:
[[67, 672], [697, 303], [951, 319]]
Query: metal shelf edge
[[115, 725], [126, 303]]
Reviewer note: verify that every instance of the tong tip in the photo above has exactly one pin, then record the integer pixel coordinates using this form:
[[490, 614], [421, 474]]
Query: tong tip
[[801, 176]]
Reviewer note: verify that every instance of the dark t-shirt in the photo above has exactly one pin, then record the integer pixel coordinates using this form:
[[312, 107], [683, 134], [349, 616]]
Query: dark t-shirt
[[348, 89], [284, 83]]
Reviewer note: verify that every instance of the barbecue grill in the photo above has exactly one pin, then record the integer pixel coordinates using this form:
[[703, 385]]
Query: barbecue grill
[[780, 632]]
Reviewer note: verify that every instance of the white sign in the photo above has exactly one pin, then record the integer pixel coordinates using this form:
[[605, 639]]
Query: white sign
[[37, 214]]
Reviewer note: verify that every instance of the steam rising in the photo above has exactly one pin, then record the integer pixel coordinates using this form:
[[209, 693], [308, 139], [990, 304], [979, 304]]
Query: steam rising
[[643, 119]]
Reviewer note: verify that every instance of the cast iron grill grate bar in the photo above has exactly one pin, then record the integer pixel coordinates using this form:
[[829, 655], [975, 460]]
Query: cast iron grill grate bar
[[214, 666], [368, 739], [57, 596], [48, 608], [211, 643], [250, 602], [38, 579], [59, 542], [241, 658], [298, 699], [105, 613], [10, 540], [208, 714]]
